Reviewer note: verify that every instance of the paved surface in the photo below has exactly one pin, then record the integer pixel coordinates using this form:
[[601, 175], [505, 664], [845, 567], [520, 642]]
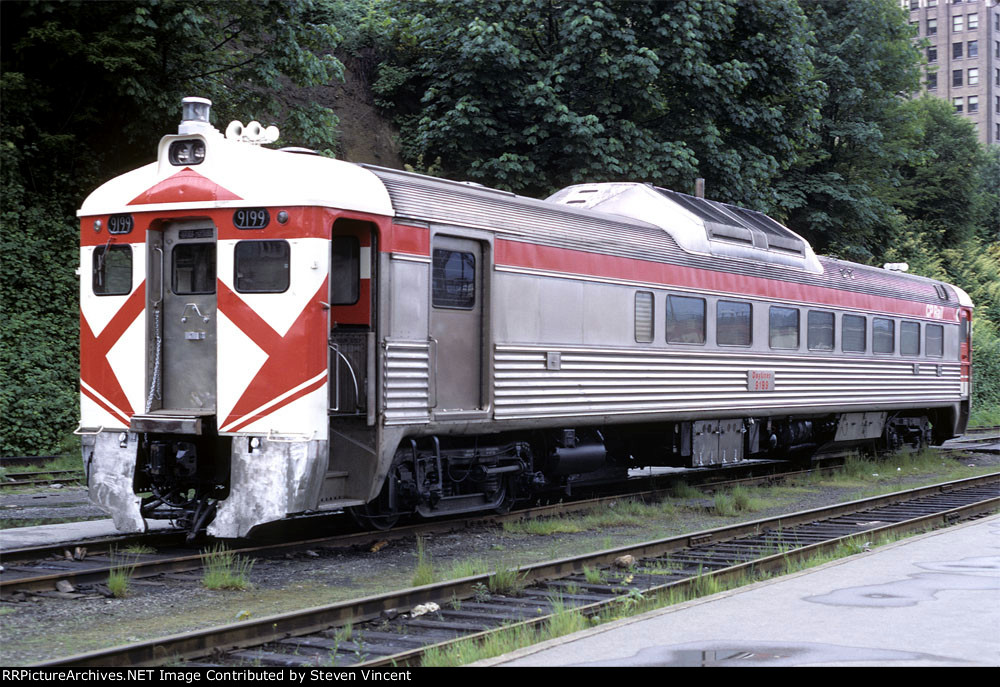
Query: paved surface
[[932, 600]]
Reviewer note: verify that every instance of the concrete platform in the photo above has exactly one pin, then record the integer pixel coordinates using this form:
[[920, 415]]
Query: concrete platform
[[931, 600], [43, 535]]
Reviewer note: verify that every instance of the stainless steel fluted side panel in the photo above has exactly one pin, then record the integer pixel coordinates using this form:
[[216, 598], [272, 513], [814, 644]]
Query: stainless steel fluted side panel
[[406, 382], [609, 381]]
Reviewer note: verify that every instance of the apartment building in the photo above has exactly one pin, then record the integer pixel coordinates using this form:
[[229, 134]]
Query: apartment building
[[963, 57]]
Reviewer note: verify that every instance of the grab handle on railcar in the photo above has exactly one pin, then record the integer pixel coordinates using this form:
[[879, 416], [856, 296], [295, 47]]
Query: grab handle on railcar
[[79, 431], [159, 299]]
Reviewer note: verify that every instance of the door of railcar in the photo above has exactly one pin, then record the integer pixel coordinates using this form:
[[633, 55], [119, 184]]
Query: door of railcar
[[457, 322], [183, 306]]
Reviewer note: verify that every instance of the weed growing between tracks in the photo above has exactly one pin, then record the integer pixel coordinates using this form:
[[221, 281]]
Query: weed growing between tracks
[[223, 569], [120, 576]]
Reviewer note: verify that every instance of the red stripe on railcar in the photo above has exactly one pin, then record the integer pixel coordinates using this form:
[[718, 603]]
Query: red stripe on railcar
[[574, 262]]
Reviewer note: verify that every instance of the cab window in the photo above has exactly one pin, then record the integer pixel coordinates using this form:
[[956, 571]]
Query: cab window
[[112, 270]]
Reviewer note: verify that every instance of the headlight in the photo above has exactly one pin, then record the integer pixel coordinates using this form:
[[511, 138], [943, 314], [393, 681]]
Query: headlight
[[187, 152]]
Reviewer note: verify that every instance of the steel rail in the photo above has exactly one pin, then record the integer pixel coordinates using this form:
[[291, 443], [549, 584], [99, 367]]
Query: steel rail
[[257, 632], [157, 564]]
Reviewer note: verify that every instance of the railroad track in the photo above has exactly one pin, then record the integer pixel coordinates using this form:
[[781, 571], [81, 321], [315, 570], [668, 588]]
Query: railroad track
[[44, 570], [31, 479], [387, 630]]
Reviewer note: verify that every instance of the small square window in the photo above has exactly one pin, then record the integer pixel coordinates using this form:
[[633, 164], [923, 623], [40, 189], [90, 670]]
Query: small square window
[[931, 82], [973, 104], [932, 27], [820, 335], [853, 337], [958, 103], [934, 340], [973, 22], [262, 266], [883, 335], [956, 50], [685, 320], [733, 323], [958, 23], [956, 77], [453, 280], [909, 338], [973, 77], [784, 327], [112, 270], [932, 53], [972, 49]]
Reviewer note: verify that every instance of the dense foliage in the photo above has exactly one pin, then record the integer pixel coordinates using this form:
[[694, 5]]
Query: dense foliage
[[794, 107], [87, 90]]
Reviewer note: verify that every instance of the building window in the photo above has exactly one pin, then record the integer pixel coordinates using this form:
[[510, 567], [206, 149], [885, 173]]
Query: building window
[[733, 323], [956, 77], [972, 49], [819, 334], [973, 77], [932, 82], [854, 334], [996, 104], [996, 46], [909, 338], [958, 103], [685, 320], [973, 22], [997, 76], [973, 104], [932, 27], [914, 4], [643, 317], [784, 326], [932, 3], [883, 335], [956, 50], [958, 23], [932, 54]]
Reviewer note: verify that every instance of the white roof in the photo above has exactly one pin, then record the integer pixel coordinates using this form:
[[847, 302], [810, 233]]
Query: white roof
[[257, 177]]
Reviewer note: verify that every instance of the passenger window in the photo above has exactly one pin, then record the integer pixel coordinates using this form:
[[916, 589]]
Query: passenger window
[[784, 327], [262, 266], [112, 270], [345, 270], [685, 320], [194, 268], [934, 345], [733, 323], [454, 281], [883, 335], [820, 335], [909, 338], [854, 337], [643, 317]]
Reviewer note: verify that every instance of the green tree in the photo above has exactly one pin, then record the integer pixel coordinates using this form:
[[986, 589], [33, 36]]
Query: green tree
[[841, 193], [535, 95], [87, 88]]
